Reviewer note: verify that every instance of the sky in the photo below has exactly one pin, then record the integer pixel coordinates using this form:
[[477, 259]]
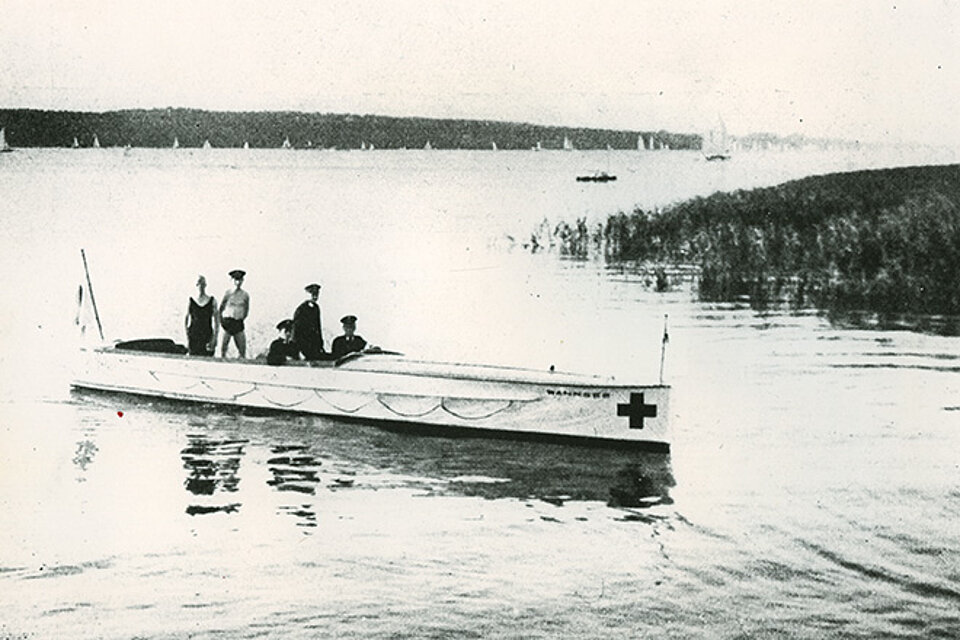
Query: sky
[[853, 69]]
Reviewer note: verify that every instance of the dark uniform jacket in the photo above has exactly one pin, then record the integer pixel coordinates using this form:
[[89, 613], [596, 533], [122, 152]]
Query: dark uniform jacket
[[306, 330], [280, 350], [342, 346]]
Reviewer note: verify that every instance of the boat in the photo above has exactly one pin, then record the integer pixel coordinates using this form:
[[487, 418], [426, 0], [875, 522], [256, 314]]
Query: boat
[[493, 146], [716, 144], [391, 390], [176, 143], [207, 145], [246, 145], [286, 144], [640, 144], [567, 145], [76, 143], [96, 142], [597, 176], [4, 147], [428, 146]]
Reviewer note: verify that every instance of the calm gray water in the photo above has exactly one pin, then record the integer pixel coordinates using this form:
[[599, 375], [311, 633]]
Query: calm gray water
[[814, 472]]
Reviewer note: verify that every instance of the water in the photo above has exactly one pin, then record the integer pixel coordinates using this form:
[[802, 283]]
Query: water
[[814, 475]]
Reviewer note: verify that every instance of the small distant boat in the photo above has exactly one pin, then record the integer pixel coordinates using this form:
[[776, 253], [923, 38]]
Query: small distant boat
[[207, 145], [76, 143], [176, 143], [286, 143], [597, 176], [539, 146], [428, 146], [493, 146], [567, 145], [246, 145], [96, 142], [640, 144]]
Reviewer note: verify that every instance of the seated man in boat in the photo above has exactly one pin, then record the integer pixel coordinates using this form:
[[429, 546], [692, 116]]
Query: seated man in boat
[[234, 309], [349, 342], [307, 333], [283, 348]]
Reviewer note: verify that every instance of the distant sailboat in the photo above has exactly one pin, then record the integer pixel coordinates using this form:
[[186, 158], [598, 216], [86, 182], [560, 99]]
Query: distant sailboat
[[567, 145], [539, 146], [286, 143], [640, 145], [4, 147], [176, 143], [96, 142], [363, 145], [207, 145], [428, 146], [716, 144], [246, 145], [76, 143], [493, 146]]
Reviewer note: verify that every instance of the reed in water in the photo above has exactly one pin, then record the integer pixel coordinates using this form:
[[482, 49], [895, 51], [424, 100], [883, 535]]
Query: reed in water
[[887, 240]]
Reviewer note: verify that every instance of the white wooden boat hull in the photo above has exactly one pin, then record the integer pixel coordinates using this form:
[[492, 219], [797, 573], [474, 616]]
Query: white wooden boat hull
[[394, 391]]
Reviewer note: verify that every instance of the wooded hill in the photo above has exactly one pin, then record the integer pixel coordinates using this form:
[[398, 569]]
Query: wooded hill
[[191, 127]]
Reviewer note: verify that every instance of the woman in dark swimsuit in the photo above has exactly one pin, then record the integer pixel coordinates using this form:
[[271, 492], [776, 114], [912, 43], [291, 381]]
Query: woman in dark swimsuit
[[201, 322]]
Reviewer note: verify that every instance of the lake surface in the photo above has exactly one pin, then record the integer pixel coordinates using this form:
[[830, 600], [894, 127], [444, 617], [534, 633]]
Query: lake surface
[[814, 476]]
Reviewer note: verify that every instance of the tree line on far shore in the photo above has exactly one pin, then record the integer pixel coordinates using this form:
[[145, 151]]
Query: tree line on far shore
[[192, 127], [883, 240]]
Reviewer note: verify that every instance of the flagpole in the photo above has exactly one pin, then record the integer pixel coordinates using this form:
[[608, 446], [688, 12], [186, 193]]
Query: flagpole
[[93, 301], [663, 346]]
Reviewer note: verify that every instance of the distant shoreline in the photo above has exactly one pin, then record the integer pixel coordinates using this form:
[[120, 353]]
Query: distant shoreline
[[194, 128], [160, 128]]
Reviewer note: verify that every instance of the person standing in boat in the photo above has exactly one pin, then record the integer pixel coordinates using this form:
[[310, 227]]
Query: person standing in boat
[[234, 309], [202, 322], [349, 342], [283, 348], [307, 333]]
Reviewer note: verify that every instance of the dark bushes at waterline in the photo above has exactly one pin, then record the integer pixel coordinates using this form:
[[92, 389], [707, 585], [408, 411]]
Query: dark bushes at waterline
[[885, 239]]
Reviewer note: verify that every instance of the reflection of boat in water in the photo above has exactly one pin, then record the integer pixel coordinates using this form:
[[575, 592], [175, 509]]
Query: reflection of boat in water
[[212, 467], [597, 176], [396, 391]]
